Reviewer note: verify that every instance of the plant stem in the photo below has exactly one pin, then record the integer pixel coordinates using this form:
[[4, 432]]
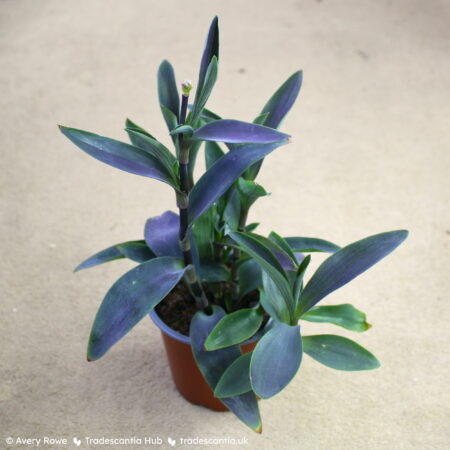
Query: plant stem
[[235, 258], [217, 251], [183, 203]]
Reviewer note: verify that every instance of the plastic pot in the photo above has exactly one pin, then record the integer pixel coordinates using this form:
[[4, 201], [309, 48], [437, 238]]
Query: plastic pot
[[187, 377]]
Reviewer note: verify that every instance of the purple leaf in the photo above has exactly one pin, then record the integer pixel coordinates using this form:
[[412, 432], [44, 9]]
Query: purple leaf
[[108, 254], [211, 49], [161, 234], [235, 131], [215, 181], [276, 359], [346, 264], [167, 89], [119, 154], [307, 245], [281, 102], [130, 299], [276, 109], [134, 250]]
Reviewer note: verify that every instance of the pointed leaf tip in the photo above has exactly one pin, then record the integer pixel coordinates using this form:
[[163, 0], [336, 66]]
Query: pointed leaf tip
[[203, 91], [346, 264], [108, 254], [339, 353], [119, 154], [282, 100], [238, 132], [211, 50], [167, 90], [130, 299], [346, 316]]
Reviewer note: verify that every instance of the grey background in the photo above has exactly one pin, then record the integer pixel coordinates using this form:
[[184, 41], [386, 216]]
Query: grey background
[[369, 153]]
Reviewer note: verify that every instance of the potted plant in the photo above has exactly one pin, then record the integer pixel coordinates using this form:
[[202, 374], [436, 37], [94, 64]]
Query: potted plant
[[227, 300]]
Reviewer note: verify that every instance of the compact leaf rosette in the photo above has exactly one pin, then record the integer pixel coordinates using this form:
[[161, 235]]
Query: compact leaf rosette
[[208, 247]]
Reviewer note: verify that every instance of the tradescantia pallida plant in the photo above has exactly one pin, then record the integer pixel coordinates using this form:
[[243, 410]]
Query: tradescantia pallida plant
[[210, 247]]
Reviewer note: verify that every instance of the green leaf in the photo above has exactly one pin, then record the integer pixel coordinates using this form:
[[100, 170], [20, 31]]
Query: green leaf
[[255, 246], [286, 258], [213, 364], [273, 301], [202, 98], [346, 316], [250, 277], [298, 285], [259, 248], [252, 227], [236, 378], [213, 152], [182, 129], [232, 211], [120, 155], [108, 254], [193, 152], [204, 234], [346, 264], [275, 360], [168, 91], [172, 122], [286, 261], [261, 119], [274, 237], [235, 328], [130, 125], [249, 192], [228, 300], [170, 118], [339, 353], [137, 251], [213, 272], [130, 299], [156, 149], [310, 245]]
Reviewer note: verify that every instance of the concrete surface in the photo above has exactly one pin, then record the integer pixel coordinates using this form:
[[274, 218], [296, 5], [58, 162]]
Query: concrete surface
[[370, 153]]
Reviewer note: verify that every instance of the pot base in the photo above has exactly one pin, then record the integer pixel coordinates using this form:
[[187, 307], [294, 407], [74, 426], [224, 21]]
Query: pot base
[[186, 375]]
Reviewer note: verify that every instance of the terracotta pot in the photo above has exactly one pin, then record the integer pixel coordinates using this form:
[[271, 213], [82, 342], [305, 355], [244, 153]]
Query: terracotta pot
[[185, 373]]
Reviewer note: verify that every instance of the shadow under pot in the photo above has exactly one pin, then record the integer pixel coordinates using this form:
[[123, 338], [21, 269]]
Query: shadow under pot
[[186, 375]]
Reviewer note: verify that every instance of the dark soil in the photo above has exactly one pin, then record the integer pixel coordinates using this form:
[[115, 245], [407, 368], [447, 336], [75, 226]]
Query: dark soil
[[178, 308]]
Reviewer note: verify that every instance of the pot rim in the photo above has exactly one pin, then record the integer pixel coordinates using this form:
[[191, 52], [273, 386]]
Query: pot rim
[[185, 339]]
